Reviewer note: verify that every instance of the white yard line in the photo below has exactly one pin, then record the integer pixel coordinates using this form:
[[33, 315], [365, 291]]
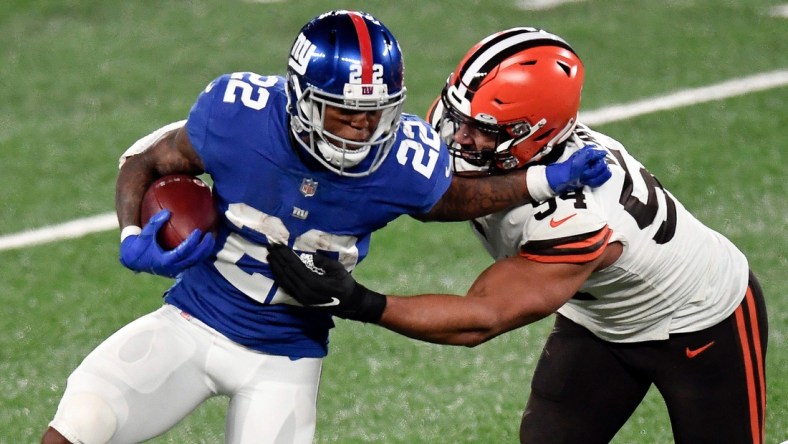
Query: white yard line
[[780, 11], [609, 114], [687, 97], [68, 230], [542, 5]]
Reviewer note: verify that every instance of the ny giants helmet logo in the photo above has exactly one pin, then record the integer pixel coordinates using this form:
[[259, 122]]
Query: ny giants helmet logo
[[356, 88], [301, 53]]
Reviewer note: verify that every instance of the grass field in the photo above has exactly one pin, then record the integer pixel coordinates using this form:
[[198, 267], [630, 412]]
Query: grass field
[[81, 80]]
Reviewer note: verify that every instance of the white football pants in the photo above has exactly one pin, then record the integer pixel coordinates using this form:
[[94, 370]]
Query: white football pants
[[153, 372]]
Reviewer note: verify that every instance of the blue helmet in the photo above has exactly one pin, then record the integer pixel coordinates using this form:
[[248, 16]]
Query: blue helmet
[[348, 60]]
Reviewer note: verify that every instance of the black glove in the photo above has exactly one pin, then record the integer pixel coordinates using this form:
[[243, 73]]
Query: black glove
[[322, 283]]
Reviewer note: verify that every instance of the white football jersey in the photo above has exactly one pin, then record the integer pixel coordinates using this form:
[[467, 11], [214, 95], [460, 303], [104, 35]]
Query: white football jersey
[[675, 275]]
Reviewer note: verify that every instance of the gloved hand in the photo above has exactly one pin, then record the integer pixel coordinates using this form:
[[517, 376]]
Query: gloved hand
[[322, 283], [141, 252], [586, 166]]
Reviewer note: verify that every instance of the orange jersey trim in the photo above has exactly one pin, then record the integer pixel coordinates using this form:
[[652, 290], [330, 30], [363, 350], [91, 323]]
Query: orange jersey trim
[[578, 249]]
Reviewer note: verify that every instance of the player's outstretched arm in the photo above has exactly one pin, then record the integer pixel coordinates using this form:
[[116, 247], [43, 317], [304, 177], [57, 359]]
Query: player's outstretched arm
[[471, 197], [511, 293]]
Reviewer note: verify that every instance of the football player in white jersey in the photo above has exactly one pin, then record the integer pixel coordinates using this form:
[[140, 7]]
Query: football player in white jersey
[[302, 160], [645, 294]]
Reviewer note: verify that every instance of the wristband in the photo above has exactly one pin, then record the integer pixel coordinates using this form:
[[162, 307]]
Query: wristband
[[371, 304], [131, 230], [538, 187]]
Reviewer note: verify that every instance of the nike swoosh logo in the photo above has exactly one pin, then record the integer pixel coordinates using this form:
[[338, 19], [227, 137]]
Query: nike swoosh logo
[[692, 353], [554, 223], [448, 170], [332, 303]]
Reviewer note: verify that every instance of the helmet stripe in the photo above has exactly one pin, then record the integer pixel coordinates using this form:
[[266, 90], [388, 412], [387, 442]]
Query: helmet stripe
[[365, 46], [498, 48]]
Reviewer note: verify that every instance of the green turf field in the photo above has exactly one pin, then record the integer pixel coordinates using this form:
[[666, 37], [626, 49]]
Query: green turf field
[[82, 80]]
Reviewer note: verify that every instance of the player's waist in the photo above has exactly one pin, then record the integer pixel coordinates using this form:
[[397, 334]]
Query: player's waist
[[278, 329]]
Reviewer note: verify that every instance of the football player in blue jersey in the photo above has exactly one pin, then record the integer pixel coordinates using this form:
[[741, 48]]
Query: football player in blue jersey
[[643, 293], [316, 160]]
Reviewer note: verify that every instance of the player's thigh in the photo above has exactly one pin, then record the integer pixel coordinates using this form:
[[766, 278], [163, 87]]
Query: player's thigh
[[136, 384], [715, 387], [277, 404], [580, 392]]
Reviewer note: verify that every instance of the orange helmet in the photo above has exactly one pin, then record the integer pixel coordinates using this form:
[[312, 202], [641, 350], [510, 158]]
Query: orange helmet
[[521, 85]]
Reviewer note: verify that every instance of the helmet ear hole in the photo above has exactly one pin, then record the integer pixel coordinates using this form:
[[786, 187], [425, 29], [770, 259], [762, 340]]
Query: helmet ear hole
[[544, 136]]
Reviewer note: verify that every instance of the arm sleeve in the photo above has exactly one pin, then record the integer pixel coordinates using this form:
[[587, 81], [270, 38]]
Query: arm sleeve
[[148, 141], [441, 169]]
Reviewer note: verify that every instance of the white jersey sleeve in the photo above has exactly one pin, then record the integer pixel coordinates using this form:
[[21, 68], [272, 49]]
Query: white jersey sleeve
[[148, 141], [675, 275]]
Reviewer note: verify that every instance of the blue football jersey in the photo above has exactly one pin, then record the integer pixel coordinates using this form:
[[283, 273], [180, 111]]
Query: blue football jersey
[[270, 190]]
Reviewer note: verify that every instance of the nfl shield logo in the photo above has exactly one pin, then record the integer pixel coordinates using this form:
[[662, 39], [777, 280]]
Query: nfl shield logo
[[308, 187]]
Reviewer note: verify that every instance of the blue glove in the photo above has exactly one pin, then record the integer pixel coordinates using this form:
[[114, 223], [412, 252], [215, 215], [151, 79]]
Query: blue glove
[[586, 166], [141, 252]]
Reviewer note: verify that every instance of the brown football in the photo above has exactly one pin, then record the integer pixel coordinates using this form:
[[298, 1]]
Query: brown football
[[191, 205]]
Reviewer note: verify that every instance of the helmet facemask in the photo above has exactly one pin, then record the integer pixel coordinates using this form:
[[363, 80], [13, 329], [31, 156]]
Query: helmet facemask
[[336, 153]]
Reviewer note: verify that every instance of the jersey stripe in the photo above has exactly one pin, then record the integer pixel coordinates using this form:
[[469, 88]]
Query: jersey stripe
[[749, 355], [578, 249], [365, 47]]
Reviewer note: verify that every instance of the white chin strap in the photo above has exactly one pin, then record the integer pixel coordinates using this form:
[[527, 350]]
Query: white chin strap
[[340, 157], [460, 165], [562, 135]]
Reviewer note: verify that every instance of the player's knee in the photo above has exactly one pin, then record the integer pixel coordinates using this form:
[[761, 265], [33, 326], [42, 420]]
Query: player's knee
[[85, 418]]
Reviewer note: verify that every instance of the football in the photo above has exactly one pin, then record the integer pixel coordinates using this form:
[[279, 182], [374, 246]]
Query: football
[[191, 205]]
